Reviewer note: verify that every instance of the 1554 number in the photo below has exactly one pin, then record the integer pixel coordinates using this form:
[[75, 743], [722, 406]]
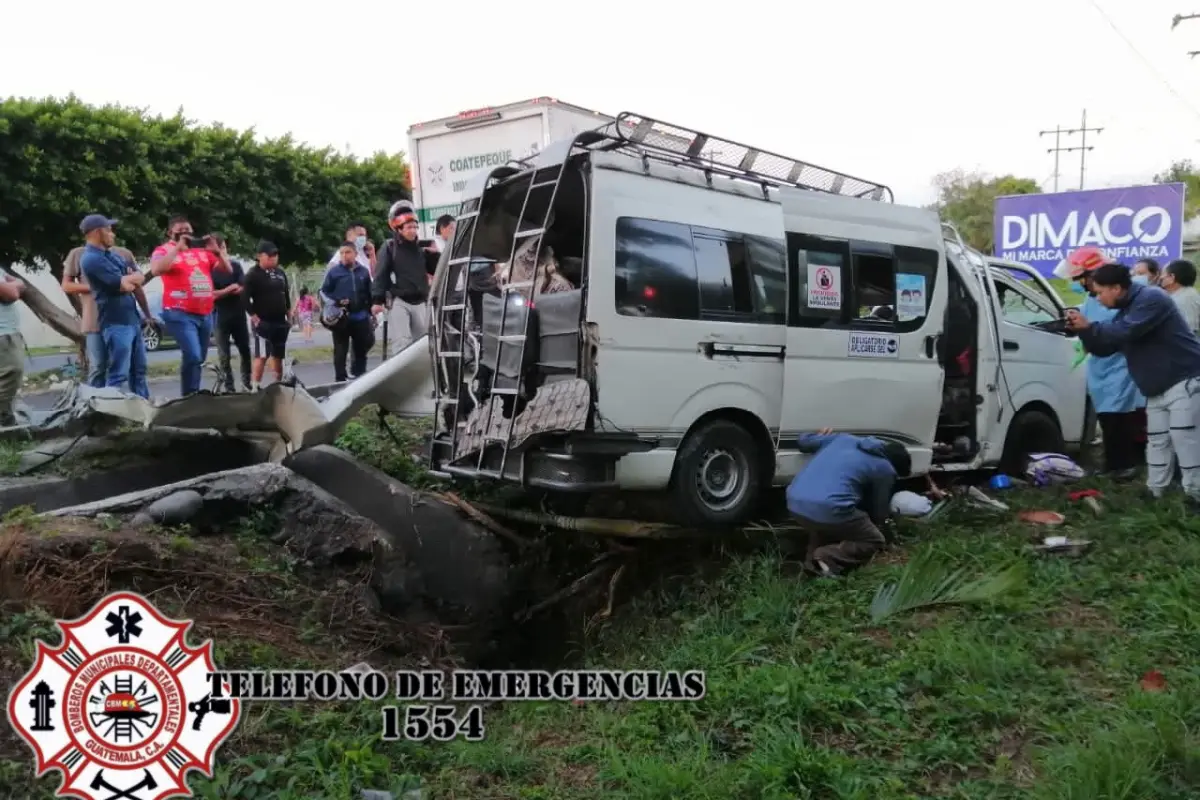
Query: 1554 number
[[439, 723]]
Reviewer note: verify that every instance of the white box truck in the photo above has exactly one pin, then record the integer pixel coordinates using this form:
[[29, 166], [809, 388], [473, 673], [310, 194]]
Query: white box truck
[[445, 153]]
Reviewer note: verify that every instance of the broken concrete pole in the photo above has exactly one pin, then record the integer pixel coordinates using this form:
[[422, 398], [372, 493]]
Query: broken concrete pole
[[174, 509], [462, 567]]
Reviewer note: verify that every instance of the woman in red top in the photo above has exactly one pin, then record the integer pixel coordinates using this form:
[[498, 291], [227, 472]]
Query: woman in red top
[[185, 264]]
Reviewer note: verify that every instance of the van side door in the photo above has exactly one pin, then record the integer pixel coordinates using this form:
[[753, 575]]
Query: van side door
[[864, 319], [1039, 359]]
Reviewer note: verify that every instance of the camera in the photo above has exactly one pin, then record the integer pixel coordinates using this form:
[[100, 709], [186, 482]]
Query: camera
[[194, 240]]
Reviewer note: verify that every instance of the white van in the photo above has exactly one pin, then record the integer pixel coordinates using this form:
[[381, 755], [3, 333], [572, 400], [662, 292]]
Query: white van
[[649, 307]]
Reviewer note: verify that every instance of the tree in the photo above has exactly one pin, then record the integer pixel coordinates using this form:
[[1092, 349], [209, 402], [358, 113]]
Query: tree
[[967, 199], [61, 159], [1187, 173]]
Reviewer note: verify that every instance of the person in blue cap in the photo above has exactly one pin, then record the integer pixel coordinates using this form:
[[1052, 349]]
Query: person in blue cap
[[843, 495], [114, 282]]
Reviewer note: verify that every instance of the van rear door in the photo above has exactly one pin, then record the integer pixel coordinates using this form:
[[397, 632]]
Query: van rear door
[[867, 303]]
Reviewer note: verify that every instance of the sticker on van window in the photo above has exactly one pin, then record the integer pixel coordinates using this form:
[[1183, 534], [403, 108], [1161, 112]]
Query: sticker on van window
[[910, 296], [824, 287], [873, 345]]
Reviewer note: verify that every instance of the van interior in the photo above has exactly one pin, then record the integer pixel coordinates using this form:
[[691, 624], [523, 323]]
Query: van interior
[[958, 351]]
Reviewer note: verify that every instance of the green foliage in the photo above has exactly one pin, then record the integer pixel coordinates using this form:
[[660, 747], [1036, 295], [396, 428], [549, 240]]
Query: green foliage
[[1185, 172], [61, 159], [967, 200], [927, 582]]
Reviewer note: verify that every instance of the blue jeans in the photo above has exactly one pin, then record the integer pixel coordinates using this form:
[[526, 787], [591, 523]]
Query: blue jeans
[[97, 356], [192, 332], [126, 358]]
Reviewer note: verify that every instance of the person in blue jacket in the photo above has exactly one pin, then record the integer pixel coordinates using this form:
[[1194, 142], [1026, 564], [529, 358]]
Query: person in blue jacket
[[1120, 407], [843, 496]]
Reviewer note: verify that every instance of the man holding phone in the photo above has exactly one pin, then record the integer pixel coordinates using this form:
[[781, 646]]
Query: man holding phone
[[185, 263]]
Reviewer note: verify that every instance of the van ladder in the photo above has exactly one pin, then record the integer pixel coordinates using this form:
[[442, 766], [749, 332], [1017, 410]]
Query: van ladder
[[508, 289], [449, 364]]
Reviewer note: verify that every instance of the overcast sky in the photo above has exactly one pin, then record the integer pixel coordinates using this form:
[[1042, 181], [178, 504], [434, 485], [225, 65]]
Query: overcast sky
[[891, 91]]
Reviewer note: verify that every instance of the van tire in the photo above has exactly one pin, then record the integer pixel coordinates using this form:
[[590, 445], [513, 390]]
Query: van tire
[[711, 458], [1032, 431]]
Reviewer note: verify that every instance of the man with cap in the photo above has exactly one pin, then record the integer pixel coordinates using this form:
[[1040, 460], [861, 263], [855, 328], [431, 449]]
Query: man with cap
[[402, 277], [114, 282], [74, 283], [186, 263], [268, 300]]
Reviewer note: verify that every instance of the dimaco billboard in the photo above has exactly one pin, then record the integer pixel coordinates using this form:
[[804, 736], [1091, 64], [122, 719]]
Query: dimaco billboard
[[1128, 224]]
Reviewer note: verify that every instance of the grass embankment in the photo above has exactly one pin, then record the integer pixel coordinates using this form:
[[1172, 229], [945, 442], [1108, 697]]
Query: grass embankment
[[1038, 694]]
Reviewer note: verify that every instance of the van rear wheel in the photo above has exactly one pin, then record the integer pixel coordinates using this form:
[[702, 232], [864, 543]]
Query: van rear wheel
[[1032, 431], [718, 476]]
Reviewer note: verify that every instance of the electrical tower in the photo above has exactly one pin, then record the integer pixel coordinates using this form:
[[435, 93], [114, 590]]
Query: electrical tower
[[1083, 147]]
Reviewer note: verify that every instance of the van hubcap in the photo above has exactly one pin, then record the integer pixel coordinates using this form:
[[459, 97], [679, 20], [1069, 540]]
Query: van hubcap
[[721, 479]]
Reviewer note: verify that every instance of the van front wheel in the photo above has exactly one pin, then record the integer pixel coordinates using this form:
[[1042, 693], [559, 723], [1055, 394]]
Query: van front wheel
[[1032, 431], [718, 477]]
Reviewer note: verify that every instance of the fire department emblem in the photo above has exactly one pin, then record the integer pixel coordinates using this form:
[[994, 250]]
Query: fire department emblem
[[122, 707]]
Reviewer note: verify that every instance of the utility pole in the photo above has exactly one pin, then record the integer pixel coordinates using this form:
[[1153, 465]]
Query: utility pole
[[1083, 130], [1056, 149], [1178, 18]]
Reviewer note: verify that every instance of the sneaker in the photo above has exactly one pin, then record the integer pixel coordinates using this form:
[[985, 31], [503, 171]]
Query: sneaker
[[246, 387]]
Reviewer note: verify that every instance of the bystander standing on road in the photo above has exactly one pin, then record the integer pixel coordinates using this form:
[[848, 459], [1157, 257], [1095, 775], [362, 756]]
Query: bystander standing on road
[[268, 302], [402, 280], [185, 263], [1179, 280], [445, 233], [74, 283], [114, 283], [230, 323], [348, 287], [12, 347]]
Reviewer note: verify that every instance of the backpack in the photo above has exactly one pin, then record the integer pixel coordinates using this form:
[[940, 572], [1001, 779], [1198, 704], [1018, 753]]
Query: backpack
[[1046, 469]]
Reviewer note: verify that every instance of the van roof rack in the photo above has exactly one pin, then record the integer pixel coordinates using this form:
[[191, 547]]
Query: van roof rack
[[683, 147]]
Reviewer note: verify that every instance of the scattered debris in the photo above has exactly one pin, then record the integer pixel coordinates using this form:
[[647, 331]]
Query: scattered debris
[[910, 504], [1046, 469], [1154, 681], [1038, 517], [926, 582], [977, 498], [1062, 545], [1000, 482], [1090, 498]]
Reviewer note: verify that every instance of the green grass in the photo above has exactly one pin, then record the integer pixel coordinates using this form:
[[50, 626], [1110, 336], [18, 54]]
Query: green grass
[[1035, 694]]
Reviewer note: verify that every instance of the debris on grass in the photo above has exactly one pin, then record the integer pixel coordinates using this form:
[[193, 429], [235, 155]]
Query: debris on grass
[[1154, 681], [1041, 517], [926, 582]]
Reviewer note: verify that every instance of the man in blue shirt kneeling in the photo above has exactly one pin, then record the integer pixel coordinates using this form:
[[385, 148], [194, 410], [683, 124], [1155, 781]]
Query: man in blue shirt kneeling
[[843, 497]]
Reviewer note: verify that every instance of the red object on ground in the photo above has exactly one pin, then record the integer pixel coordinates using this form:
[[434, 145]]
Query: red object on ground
[[1083, 493], [1153, 681], [1042, 517]]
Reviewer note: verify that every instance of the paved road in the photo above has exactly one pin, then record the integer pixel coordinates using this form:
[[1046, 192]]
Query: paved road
[[321, 338], [168, 388]]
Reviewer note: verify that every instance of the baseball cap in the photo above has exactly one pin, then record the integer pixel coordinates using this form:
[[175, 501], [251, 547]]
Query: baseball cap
[[94, 222], [1080, 261], [267, 248]]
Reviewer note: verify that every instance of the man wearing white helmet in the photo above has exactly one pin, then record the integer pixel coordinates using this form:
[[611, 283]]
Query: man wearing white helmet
[[402, 277]]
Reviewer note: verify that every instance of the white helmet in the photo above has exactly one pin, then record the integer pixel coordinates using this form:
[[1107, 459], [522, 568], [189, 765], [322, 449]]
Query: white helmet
[[401, 207]]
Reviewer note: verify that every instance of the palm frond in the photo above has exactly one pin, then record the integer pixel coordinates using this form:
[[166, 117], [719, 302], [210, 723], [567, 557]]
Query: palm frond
[[927, 582]]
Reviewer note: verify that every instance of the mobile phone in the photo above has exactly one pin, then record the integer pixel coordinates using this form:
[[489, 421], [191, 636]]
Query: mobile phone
[[425, 242]]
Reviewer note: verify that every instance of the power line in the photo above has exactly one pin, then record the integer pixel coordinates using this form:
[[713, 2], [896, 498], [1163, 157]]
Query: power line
[[1059, 131], [1148, 64]]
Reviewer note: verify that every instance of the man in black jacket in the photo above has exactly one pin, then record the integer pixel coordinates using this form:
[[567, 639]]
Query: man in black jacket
[[231, 321], [402, 279]]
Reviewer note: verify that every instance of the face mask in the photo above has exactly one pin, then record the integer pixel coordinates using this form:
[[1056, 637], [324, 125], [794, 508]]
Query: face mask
[[1077, 287], [360, 242], [1144, 280]]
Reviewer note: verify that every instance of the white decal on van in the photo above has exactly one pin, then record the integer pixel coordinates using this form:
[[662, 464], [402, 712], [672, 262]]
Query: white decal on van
[[824, 287], [873, 345]]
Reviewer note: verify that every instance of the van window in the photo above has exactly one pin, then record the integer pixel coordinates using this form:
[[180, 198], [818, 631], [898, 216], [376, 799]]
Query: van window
[[655, 270], [711, 274], [819, 272]]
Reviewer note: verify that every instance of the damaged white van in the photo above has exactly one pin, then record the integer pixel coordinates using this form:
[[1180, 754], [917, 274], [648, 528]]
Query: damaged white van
[[647, 307]]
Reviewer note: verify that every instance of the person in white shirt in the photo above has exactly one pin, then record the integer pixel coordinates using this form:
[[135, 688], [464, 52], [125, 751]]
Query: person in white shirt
[[356, 232], [1179, 279], [445, 232]]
